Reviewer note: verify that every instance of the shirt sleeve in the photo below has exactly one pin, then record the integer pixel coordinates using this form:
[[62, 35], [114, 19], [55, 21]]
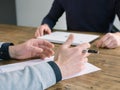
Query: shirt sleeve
[[55, 12], [4, 50], [37, 77]]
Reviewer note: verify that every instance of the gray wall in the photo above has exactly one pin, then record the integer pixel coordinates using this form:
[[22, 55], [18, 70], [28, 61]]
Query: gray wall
[[31, 13], [7, 12], [117, 23]]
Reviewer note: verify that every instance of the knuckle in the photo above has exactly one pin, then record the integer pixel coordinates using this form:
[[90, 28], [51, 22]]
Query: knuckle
[[108, 33]]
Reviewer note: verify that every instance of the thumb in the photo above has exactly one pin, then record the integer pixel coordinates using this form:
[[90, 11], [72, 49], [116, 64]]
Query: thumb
[[69, 41]]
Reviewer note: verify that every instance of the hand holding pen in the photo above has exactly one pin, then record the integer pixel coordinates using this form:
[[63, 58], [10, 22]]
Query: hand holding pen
[[90, 51]]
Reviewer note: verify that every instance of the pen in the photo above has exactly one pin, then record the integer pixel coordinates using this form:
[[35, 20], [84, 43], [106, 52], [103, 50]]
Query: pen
[[90, 51]]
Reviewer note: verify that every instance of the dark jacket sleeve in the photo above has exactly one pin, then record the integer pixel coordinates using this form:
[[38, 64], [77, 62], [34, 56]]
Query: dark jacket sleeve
[[55, 12], [4, 51]]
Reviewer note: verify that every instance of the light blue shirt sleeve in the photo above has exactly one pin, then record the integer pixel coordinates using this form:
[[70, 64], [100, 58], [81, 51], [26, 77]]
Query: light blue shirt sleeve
[[37, 77]]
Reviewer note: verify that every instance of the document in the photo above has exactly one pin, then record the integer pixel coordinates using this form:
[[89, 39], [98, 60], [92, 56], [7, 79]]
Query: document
[[61, 37], [89, 68]]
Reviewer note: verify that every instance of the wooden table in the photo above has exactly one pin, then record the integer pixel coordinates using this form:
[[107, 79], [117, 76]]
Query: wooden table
[[108, 60]]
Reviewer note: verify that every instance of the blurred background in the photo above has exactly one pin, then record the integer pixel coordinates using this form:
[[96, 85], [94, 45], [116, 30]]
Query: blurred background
[[30, 13]]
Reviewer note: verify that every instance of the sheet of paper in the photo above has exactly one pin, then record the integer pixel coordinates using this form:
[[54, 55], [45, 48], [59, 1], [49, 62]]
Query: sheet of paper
[[19, 66], [60, 37], [22, 65], [89, 68]]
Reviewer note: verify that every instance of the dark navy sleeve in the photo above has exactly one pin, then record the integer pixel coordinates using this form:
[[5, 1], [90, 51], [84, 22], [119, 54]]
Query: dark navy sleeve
[[55, 12], [4, 51]]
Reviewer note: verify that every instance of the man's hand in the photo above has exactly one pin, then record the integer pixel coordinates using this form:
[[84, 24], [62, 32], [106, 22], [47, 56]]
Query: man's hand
[[110, 40], [42, 30], [71, 60], [32, 48]]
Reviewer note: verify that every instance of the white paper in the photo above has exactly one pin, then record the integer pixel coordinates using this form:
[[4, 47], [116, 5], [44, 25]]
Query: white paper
[[19, 66], [61, 37], [22, 65], [89, 68]]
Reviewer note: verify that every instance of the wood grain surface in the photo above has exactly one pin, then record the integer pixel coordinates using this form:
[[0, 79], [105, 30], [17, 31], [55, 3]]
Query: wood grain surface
[[108, 60]]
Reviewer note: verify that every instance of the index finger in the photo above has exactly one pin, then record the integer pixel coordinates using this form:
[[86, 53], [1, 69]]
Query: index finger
[[46, 43], [69, 41]]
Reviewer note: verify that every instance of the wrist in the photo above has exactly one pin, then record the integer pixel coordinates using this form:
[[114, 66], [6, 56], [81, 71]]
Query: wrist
[[12, 52], [117, 33], [16, 51], [62, 69]]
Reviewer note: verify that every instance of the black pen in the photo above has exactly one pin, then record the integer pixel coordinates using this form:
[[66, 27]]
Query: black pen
[[90, 51]]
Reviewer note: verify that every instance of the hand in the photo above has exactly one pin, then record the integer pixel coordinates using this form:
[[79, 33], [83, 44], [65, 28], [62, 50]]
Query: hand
[[41, 30], [31, 49], [71, 60], [110, 40]]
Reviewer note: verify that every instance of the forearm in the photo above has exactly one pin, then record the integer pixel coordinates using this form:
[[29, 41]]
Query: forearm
[[37, 77], [55, 12]]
